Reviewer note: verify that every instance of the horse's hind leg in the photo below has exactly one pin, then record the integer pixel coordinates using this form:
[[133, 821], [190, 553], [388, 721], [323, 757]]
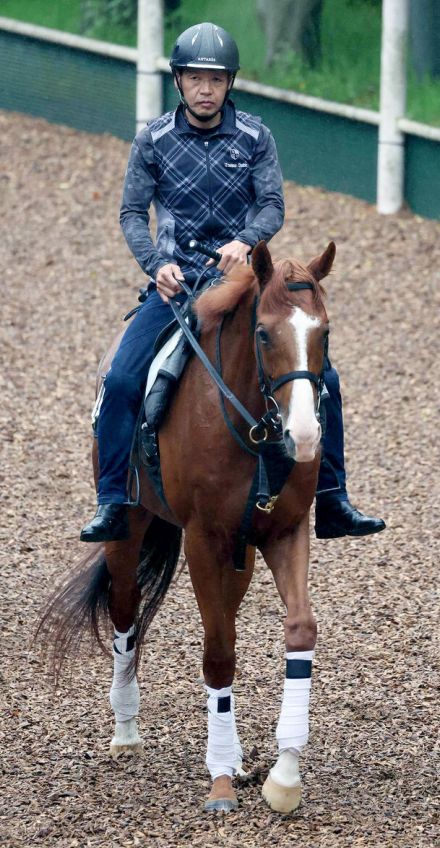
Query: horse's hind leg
[[219, 591], [288, 559], [122, 562]]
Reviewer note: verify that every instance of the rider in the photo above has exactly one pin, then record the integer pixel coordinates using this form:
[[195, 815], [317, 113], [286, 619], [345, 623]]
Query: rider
[[212, 173]]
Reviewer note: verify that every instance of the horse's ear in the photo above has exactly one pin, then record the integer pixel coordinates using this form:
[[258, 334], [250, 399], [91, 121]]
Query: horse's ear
[[262, 263], [320, 266]]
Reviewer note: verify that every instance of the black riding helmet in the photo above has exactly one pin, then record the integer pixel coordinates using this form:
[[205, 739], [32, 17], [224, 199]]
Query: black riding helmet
[[204, 46]]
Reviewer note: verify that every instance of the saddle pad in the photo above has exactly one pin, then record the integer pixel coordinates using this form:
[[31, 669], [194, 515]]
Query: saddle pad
[[160, 358]]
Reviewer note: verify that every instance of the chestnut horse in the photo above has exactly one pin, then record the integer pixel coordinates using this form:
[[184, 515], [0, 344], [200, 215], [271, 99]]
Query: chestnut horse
[[207, 475]]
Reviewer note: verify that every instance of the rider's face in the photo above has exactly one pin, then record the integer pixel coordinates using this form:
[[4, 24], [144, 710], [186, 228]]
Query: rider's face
[[204, 91]]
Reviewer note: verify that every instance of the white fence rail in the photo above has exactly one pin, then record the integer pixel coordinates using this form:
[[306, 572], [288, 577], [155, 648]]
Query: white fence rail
[[151, 65], [130, 54]]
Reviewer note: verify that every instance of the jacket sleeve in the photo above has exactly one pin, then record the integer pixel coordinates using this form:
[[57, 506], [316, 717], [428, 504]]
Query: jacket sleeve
[[267, 214], [139, 188]]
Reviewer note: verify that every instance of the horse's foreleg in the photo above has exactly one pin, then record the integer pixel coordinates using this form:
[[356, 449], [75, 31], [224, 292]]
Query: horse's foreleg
[[219, 591], [289, 559], [122, 562]]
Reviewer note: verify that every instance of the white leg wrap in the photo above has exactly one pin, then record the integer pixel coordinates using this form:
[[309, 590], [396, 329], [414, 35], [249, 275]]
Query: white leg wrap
[[224, 753], [238, 750], [124, 692], [293, 727]]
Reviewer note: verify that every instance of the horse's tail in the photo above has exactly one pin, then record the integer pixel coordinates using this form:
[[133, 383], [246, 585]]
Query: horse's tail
[[81, 605], [157, 565]]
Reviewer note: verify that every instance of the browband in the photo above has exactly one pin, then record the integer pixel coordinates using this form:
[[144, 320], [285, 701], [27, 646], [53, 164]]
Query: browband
[[300, 286]]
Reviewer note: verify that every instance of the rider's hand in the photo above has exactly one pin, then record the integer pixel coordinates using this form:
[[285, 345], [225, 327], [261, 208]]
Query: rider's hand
[[167, 281], [233, 253]]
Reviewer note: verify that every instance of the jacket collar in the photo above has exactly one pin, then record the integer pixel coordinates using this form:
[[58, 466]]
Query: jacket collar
[[227, 125]]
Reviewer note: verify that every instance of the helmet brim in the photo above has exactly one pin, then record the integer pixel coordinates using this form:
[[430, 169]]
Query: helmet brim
[[204, 65]]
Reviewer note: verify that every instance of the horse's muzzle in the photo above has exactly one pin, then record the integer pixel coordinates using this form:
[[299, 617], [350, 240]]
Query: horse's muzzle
[[303, 450]]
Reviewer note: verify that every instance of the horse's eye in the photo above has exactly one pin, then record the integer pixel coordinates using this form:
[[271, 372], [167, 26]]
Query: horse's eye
[[263, 336]]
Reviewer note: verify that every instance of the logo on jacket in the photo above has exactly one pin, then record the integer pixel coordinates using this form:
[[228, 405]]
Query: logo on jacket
[[235, 154]]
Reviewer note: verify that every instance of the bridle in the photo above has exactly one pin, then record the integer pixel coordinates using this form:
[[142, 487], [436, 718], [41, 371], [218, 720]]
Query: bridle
[[268, 387], [271, 419]]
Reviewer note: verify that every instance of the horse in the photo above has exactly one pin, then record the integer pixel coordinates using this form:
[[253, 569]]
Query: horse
[[273, 322]]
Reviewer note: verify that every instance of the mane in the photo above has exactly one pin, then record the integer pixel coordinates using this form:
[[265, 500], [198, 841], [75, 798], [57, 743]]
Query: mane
[[277, 298], [214, 303]]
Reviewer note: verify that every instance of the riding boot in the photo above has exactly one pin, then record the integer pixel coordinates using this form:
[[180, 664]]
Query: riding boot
[[110, 524], [334, 515]]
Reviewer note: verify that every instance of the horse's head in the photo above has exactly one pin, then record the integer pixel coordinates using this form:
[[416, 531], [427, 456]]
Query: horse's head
[[290, 338], [291, 330]]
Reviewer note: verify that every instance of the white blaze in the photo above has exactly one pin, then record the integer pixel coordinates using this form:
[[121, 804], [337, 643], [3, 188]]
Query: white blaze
[[301, 423]]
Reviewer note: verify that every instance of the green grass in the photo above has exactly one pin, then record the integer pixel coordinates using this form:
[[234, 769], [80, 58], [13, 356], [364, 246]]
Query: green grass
[[350, 69], [64, 14]]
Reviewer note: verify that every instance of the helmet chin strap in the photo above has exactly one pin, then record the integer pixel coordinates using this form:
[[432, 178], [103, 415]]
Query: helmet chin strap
[[204, 119]]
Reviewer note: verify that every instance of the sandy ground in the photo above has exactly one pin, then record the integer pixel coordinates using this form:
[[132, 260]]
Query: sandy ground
[[369, 772]]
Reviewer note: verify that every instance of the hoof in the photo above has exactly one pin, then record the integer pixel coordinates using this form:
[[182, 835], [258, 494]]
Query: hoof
[[225, 805], [126, 740], [281, 799], [134, 750]]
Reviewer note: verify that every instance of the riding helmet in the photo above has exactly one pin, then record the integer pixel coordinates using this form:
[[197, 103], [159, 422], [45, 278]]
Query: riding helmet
[[205, 46]]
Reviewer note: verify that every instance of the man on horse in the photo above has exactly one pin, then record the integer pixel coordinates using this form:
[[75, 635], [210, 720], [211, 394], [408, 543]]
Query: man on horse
[[212, 173]]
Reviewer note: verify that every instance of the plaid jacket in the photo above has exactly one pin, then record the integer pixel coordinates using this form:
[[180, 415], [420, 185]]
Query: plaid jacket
[[212, 185]]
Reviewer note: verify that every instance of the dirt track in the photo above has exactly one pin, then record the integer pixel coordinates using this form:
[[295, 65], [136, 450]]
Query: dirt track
[[369, 771]]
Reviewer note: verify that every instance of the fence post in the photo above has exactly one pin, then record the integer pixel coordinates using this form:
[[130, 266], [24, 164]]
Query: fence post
[[391, 154], [150, 49]]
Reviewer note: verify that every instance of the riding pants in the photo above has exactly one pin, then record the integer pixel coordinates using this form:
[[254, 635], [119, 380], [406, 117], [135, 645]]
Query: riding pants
[[333, 475], [124, 387]]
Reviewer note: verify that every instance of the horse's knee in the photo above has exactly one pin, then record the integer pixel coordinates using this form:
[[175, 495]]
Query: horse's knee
[[300, 632], [218, 662]]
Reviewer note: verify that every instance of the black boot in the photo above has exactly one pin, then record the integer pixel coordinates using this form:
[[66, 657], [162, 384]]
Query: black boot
[[110, 524], [335, 518]]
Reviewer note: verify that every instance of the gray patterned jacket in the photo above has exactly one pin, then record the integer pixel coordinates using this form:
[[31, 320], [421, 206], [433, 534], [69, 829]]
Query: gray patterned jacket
[[212, 185]]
